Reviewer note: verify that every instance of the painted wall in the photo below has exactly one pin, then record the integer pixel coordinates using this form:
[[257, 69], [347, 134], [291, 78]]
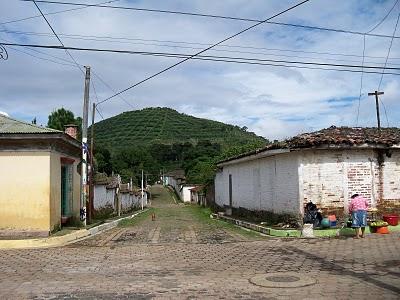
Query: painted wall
[[184, 193], [266, 184], [55, 189], [25, 190]]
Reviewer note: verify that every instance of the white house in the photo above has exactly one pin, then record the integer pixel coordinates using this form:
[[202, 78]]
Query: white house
[[185, 192], [325, 167]]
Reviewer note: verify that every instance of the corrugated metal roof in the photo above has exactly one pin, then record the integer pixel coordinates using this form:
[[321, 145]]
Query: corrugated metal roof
[[10, 125]]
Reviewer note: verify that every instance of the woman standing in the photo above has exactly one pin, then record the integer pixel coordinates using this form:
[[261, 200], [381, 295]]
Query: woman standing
[[358, 209]]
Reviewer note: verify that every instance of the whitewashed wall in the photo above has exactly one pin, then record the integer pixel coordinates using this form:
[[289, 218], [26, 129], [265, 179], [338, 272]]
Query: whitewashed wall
[[269, 184], [330, 177], [184, 193], [103, 197]]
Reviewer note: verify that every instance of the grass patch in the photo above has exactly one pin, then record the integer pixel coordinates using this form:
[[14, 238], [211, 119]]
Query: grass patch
[[203, 215], [135, 220]]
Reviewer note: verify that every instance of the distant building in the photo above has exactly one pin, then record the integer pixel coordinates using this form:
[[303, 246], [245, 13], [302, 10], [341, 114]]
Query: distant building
[[325, 167], [39, 179]]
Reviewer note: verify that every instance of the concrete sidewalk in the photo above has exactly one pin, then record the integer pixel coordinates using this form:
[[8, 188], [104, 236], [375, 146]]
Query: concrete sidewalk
[[56, 241]]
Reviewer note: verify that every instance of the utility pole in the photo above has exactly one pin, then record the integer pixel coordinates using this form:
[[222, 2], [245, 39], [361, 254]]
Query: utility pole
[[142, 190], [84, 185], [91, 180], [376, 94]]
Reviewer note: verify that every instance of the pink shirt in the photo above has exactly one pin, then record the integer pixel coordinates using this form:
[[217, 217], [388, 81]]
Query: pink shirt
[[358, 203]]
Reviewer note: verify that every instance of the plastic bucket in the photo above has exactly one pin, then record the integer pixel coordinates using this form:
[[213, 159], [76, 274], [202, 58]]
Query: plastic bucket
[[392, 220]]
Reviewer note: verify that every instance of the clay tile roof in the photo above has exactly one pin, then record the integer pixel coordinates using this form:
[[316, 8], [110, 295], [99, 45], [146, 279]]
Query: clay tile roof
[[338, 136], [346, 136]]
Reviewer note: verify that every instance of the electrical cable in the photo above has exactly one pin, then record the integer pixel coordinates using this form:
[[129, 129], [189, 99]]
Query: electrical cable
[[70, 55], [384, 109], [384, 18], [107, 85], [55, 34], [119, 39], [42, 58], [217, 50], [361, 83], [52, 13], [387, 57], [202, 57], [209, 16]]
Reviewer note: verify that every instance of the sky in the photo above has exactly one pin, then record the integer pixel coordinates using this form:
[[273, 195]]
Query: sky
[[274, 102]]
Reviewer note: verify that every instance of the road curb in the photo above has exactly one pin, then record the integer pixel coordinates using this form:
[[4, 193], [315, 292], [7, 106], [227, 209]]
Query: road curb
[[56, 241]]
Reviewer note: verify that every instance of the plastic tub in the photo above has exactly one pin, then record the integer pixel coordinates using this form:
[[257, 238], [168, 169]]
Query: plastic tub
[[392, 220], [382, 230]]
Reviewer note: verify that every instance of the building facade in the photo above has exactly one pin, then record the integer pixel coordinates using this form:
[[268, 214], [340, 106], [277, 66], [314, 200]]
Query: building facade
[[39, 179], [324, 167]]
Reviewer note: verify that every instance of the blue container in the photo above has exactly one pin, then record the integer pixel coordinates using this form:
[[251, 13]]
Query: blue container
[[333, 223], [325, 223]]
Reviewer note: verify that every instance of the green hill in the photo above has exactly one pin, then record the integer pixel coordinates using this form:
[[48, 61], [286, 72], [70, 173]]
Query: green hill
[[166, 126]]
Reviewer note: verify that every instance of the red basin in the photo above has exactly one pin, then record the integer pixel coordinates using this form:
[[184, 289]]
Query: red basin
[[392, 220]]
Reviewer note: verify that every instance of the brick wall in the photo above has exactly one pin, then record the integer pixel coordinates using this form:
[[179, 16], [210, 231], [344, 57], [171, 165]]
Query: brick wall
[[330, 177]]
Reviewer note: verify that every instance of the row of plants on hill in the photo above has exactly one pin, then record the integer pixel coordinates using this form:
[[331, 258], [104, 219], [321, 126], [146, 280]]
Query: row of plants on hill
[[166, 126]]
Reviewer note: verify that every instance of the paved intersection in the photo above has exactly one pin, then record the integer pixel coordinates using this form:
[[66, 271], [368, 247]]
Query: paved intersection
[[185, 255]]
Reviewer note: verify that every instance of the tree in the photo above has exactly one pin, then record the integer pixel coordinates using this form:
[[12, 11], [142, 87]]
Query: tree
[[61, 117]]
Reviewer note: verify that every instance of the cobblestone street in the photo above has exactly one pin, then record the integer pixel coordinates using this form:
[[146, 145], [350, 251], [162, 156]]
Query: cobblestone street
[[185, 255]]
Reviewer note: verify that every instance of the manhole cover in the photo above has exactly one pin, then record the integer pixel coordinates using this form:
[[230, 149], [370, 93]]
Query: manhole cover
[[283, 280]]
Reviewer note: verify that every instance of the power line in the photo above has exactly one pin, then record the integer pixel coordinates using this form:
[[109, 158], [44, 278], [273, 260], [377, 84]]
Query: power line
[[42, 58], [106, 38], [44, 17], [202, 57], [80, 37], [107, 85], [211, 16], [70, 55], [361, 83], [390, 47], [384, 18], [274, 65], [384, 109], [52, 13]]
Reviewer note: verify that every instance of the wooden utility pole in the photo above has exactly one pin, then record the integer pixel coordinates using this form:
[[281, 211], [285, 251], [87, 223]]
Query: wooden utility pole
[[91, 180], [84, 185], [376, 94]]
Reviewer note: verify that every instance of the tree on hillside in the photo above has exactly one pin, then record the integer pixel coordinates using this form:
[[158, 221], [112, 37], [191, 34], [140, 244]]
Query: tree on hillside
[[61, 117]]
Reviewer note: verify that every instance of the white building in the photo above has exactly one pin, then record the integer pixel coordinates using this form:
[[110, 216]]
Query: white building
[[325, 167]]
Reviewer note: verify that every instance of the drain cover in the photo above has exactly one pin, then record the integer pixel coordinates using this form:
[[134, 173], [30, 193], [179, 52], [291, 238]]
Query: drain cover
[[283, 280]]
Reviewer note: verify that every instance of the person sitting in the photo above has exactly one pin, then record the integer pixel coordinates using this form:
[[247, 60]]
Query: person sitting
[[358, 209]]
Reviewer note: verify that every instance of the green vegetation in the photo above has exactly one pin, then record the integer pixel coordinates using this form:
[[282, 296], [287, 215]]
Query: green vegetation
[[156, 139], [61, 117], [166, 126], [133, 221]]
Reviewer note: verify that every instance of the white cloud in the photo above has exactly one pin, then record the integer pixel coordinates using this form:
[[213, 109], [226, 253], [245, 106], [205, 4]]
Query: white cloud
[[273, 102]]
